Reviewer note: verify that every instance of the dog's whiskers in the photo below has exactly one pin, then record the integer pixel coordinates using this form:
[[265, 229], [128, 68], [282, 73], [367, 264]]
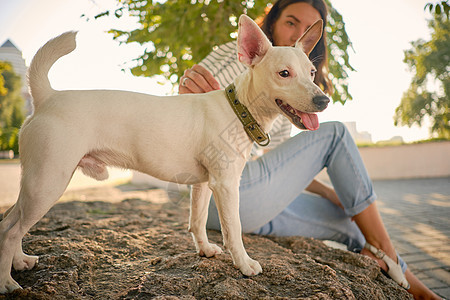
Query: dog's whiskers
[[317, 58]]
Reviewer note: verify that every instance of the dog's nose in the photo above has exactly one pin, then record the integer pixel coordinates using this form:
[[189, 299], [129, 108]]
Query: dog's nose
[[321, 101]]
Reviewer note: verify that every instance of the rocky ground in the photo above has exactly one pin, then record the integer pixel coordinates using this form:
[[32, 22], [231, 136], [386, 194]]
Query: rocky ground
[[133, 244]]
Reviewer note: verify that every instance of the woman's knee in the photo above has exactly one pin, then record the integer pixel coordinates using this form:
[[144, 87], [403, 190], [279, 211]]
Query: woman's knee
[[326, 130], [335, 126], [339, 131]]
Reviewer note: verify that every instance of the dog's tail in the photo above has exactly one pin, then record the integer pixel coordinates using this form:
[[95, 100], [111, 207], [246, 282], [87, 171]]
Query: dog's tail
[[46, 56]]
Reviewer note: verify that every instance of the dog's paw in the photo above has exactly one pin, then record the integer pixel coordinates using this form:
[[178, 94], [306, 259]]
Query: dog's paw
[[24, 262], [209, 250], [249, 267], [7, 285]]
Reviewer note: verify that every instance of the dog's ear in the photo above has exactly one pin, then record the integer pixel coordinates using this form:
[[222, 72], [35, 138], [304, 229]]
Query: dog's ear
[[310, 38], [252, 42]]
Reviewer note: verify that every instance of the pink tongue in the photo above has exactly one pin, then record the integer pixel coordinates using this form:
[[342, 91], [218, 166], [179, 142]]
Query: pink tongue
[[311, 121]]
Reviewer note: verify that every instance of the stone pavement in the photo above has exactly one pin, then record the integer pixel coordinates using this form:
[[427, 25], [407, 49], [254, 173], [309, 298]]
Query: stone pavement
[[416, 213]]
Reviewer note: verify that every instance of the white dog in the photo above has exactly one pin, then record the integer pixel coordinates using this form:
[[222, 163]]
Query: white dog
[[193, 134]]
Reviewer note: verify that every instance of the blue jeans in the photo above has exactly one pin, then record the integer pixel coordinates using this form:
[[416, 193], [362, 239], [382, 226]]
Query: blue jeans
[[272, 198]]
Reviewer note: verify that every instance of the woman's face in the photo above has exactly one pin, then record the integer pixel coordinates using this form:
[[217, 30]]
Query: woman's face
[[294, 20]]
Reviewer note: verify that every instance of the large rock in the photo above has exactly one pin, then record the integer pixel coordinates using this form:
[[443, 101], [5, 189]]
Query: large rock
[[137, 249]]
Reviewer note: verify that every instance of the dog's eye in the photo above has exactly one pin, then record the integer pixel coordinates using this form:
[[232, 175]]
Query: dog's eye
[[284, 73], [313, 73]]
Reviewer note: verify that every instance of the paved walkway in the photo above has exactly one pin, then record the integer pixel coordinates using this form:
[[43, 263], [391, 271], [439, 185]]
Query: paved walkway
[[10, 181], [417, 216], [416, 213]]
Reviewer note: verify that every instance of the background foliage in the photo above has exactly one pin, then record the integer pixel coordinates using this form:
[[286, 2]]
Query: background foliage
[[11, 107], [429, 91], [4, 66], [178, 34], [439, 8]]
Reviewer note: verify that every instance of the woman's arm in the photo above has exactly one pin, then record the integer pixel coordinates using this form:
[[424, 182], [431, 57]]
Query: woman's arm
[[324, 191]]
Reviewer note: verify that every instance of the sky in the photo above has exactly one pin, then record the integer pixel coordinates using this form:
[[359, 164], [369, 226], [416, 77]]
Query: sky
[[379, 30]]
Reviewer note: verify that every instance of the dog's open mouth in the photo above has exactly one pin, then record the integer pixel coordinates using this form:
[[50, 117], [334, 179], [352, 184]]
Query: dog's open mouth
[[300, 119]]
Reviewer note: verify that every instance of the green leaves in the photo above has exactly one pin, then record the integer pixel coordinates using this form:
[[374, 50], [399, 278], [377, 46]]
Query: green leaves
[[179, 34], [4, 66], [429, 92], [438, 8], [338, 56], [11, 108]]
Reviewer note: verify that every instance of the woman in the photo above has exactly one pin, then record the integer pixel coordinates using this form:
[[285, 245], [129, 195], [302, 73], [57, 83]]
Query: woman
[[272, 200]]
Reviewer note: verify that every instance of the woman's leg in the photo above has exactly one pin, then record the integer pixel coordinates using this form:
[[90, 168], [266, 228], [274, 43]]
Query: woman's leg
[[272, 182], [310, 215]]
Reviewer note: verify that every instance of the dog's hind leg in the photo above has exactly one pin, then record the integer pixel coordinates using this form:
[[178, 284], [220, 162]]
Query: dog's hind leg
[[11, 234], [21, 261], [200, 197], [8, 247], [42, 185]]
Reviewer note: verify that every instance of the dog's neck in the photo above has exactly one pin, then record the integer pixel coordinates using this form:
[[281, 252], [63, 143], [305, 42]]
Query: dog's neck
[[256, 101]]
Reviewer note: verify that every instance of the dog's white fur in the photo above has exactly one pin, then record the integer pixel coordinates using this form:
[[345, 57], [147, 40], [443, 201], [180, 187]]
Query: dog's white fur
[[160, 136]]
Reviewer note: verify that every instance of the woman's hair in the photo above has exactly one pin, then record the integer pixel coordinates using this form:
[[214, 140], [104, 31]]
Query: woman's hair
[[318, 55]]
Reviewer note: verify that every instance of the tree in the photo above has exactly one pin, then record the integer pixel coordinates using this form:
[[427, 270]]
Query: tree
[[429, 92], [4, 66], [11, 108], [178, 34]]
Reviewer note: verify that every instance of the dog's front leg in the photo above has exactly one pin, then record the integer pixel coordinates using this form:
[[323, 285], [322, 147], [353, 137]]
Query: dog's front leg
[[200, 197], [226, 195]]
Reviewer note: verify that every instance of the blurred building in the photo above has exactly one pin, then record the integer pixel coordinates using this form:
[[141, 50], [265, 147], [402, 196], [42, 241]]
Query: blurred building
[[359, 137], [10, 53], [393, 140]]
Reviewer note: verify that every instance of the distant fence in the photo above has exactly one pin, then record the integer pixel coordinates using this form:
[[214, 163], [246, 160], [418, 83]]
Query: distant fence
[[424, 160]]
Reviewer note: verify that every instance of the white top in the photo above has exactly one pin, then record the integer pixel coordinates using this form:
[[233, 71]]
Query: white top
[[224, 66]]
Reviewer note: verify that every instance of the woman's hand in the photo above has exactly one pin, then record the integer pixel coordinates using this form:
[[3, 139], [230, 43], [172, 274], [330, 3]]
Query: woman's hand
[[325, 191], [333, 197], [197, 80]]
